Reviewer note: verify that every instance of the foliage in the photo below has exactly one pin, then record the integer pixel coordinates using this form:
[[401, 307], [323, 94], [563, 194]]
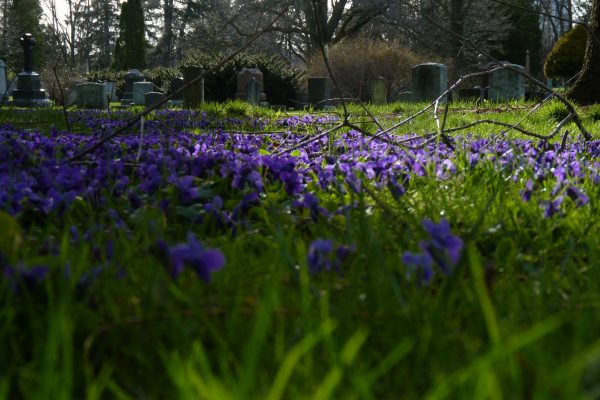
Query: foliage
[[281, 80], [130, 46], [356, 62], [524, 35], [566, 57]]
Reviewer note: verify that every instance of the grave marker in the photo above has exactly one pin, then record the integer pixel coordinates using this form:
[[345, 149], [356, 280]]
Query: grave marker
[[131, 77], [194, 95], [379, 91], [29, 92], [91, 95], [506, 84], [245, 76], [319, 92], [429, 81], [152, 98], [139, 91], [3, 83], [252, 92]]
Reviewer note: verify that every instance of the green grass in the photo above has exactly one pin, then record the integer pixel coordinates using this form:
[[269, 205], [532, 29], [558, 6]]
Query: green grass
[[517, 319]]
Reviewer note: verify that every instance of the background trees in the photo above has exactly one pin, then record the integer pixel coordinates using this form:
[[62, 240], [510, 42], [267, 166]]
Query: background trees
[[130, 48], [137, 33]]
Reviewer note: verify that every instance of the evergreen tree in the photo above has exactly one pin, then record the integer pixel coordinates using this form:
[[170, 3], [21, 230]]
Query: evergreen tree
[[525, 34], [24, 17], [130, 46]]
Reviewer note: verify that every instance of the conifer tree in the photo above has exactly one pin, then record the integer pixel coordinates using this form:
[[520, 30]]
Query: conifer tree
[[130, 49]]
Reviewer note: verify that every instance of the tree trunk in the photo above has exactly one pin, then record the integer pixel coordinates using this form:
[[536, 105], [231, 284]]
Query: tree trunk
[[586, 89]]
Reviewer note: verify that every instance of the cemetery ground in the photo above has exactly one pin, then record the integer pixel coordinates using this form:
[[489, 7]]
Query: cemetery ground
[[224, 255]]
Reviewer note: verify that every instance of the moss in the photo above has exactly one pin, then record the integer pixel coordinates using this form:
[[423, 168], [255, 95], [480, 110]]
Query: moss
[[566, 57]]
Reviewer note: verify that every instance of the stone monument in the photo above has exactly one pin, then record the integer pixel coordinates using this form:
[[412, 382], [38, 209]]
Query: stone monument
[[131, 76], [245, 76], [319, 92], [507, 84], [253, 92], [379, 91], [429, 81], [3, 84], [139, 91], [193, 96], [29, 92], [91, 95], [152, 98]]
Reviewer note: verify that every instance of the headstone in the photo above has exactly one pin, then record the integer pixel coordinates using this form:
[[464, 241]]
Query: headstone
[[506, 84], [139, 91], [246, 75], [252, 92], [3, 83], [152, 98], [176, 84], [194, 95], [71, 97], [472, 94], [379, 91], [29, 92], [130, 78], [110, 90], [535, 95], [91, 95], [429, 81], [405, 97], [319, 92]]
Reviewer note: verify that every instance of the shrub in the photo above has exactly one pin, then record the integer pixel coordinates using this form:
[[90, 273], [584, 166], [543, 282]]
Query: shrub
[[566, 57], [281, 79], [356, 62]]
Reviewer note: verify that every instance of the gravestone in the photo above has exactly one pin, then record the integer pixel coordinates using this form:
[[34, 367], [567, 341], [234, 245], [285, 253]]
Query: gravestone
[[3, 83], [319, 92], [152, 98], [110, 90], [506, 84], [429, 81], [405, 97], [472, 94], [139, 91], [252, 92], [130, 78], [194, 95], [246, 75], [91, 95], [175, 85], [29, 92], [379, 91]]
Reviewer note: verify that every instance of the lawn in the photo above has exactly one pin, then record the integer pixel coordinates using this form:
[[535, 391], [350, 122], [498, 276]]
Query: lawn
[[227, 254]]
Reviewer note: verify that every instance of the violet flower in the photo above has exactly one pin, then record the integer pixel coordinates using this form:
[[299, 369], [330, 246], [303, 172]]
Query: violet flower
[[442, 248], [192, 254]]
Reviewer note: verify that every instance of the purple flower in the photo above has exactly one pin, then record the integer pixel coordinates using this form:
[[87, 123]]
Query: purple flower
[[442, 248], [322, 256], [526, 193], [578, 197], [191, 254], [26, 278], [420, 264], [318, 255], [552, 207]]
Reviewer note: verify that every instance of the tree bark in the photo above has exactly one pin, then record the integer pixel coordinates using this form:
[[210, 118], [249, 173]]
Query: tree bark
[[586, 89]]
